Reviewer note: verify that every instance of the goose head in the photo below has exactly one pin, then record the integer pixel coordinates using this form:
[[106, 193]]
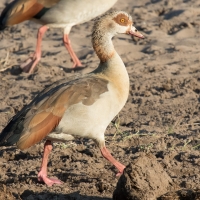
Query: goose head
[[118, 22]]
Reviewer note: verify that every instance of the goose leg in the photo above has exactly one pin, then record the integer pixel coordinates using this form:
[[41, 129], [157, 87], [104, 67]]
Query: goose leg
[[106, 154], [67, 43], [30, 64], [42, 175]]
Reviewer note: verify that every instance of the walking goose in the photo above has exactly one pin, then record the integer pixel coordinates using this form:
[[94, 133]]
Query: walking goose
[[82, 107]]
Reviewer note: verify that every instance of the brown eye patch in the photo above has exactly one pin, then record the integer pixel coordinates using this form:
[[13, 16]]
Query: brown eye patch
[[122, 20]]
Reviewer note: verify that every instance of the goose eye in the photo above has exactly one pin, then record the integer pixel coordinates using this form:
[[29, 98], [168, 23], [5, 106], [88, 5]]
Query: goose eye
[[122, 20]]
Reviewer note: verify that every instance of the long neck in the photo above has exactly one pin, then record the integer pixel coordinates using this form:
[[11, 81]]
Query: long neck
[[111, 65], [103, 45], [109, 58]]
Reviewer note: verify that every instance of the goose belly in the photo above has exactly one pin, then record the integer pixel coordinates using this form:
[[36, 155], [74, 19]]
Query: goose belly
[[90, 121]]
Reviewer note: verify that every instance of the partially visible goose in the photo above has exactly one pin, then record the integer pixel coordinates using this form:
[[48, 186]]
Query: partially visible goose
[[55, 14], [83, 107]]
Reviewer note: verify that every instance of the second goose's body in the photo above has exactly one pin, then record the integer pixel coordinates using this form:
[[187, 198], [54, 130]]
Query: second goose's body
[[53, 13]]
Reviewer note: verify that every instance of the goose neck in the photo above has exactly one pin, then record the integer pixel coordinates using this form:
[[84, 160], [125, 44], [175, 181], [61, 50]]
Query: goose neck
[[103, 46]]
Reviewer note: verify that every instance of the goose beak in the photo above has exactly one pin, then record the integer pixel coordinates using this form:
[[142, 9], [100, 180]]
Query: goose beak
[[133, 31]]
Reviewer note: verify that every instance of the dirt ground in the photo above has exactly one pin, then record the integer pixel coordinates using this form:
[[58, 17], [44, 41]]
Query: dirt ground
[[161, 116]]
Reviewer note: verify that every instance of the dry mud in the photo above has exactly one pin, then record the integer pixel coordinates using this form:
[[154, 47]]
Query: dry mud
[[161, 117]]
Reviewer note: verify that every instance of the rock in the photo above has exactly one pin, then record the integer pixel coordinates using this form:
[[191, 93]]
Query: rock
[[144, 178]]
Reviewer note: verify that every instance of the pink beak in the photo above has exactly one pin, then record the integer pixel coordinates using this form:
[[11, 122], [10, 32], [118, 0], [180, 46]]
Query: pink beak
[[135, 33]]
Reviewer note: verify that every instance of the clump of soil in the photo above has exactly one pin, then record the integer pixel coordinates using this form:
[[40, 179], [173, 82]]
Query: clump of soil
[[143, 178], [181, 195]]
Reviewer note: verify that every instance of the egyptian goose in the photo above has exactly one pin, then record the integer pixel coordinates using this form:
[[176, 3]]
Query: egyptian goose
[[52, 13], [82, 107]]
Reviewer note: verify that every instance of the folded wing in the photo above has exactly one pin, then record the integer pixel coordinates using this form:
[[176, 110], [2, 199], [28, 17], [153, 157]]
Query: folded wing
[[36, 120]]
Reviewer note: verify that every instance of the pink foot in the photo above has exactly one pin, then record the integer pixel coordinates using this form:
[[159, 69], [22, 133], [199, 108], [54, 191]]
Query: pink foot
[[77, 64], [42, 175], [67, 43], [106, 154], [29, 63], [121, 172], [48, 181]]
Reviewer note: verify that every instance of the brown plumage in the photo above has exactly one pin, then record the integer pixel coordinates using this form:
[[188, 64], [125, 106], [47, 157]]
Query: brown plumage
[[21, 10]]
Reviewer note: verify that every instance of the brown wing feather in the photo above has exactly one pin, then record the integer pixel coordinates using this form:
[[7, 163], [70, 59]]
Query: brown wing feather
[[39, 131], [19, 11], [22, 10], [43, 117]]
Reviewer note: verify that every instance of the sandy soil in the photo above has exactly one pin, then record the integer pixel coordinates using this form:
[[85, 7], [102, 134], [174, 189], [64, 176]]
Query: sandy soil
[[161, 117]]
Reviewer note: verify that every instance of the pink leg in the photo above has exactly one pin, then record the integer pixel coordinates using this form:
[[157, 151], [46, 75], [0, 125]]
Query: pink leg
[[106, 154], [30, 64], [42, 175], [68, 46]]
